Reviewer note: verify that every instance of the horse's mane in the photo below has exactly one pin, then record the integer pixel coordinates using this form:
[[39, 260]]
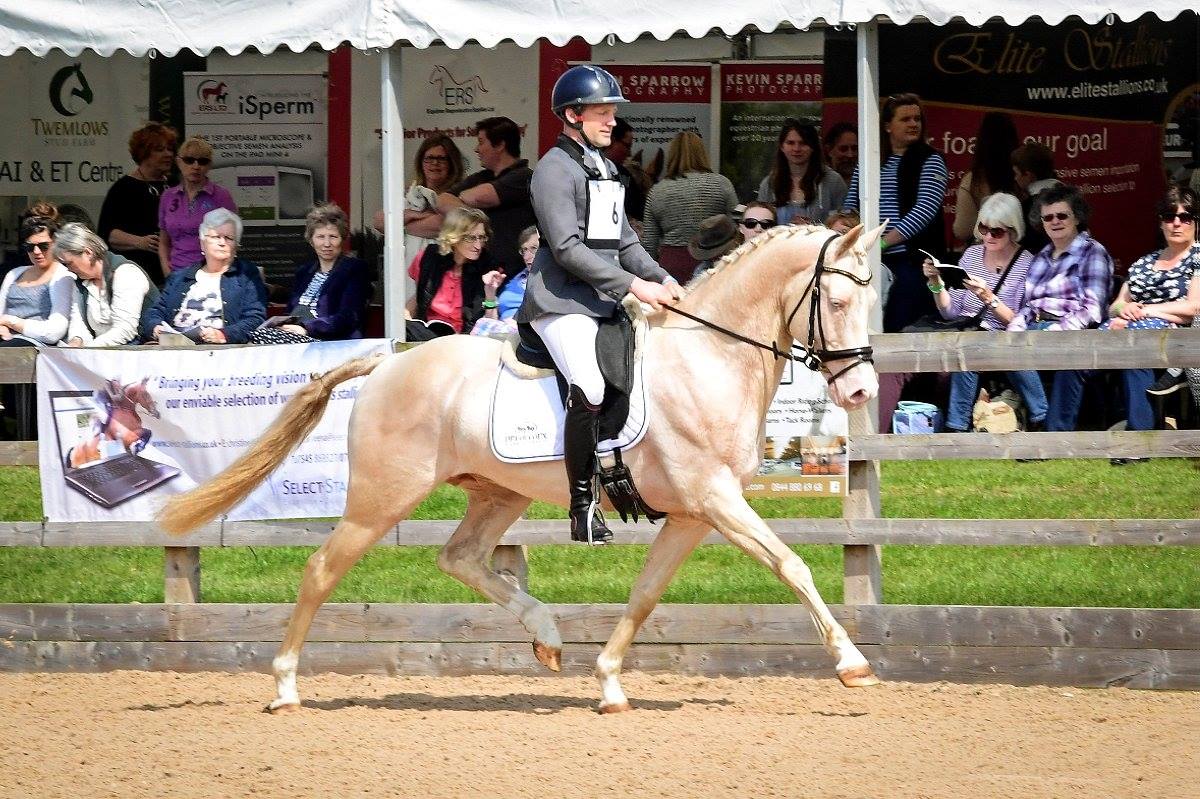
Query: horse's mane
[[735, 255]]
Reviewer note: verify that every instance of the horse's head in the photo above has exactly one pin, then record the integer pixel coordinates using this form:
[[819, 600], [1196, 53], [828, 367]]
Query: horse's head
[[836, 323], [139, 394]]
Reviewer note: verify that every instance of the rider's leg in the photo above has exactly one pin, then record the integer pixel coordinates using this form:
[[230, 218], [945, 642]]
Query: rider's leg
[[571, 341]]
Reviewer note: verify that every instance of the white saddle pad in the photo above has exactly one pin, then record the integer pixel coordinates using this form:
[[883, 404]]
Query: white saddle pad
[[527, 418]]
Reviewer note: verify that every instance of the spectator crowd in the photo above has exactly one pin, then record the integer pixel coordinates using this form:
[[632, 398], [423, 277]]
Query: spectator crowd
[[162, 264]]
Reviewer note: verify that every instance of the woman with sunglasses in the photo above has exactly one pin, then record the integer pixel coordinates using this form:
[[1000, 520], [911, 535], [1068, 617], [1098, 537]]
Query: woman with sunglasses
[[457, 278], [438, 166], [998, 256], [129, 216], [803, 189], [1067, 288], [1162, 291], [35, 301], [757, 218], [183, 206]]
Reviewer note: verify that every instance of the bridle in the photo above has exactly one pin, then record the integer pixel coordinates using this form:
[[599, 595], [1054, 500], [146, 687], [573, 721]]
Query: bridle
[[807, 353]]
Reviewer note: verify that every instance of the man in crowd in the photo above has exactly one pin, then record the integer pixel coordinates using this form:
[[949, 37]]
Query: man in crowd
[[500, 189], [635, 193]]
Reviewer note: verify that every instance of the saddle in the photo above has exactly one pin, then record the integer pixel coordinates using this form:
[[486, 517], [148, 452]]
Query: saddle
[[526, 419]]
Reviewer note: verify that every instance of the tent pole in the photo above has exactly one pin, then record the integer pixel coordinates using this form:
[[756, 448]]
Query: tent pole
[[868, 146], [393, 194]]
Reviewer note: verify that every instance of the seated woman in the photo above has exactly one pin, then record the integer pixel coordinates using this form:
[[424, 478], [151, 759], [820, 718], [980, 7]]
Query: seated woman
[[757, 218], [35, 301], [1163, 290], [111, 291], [330, 292], [219, 301], [457, 279], [989, 302], [1066, 289], [512, 292]]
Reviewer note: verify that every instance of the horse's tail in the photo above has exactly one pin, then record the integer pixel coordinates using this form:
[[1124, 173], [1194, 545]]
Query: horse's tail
[[185, 512]]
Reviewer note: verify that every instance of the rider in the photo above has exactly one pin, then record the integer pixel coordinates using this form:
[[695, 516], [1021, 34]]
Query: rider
[[589, 259]]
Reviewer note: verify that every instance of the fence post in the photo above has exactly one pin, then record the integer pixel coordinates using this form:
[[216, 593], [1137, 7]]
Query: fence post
[[508, 561], [181, 575], [862, 580]]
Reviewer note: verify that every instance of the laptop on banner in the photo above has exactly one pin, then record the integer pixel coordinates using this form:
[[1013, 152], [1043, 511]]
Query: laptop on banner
[[93, 464]]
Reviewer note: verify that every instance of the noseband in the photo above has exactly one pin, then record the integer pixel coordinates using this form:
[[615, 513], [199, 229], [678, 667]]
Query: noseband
[[807, 353]]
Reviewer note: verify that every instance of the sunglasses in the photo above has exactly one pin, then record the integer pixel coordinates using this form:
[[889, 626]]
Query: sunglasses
[[751, 224], [192, 159], [30, 246], [1060, 216], [475, 239], [435, 159], [1184, 218], [994, 232]]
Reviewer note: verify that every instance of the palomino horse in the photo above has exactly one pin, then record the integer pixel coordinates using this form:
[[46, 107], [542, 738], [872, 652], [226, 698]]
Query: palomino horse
[[708, 394]]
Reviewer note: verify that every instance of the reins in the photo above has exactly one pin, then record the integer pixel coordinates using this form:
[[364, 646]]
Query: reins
[[808, 354]]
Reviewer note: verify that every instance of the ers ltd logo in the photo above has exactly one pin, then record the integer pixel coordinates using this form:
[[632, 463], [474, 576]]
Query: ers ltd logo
[[454, 92], [69, 90], [212, 95]]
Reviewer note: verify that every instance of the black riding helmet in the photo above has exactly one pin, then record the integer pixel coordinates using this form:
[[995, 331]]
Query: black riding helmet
[[582, 85]]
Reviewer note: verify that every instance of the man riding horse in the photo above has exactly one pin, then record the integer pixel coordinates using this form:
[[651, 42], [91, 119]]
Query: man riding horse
[[589, 259]]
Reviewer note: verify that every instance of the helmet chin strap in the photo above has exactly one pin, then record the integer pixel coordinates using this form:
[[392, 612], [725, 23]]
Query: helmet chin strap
[[578, 128]]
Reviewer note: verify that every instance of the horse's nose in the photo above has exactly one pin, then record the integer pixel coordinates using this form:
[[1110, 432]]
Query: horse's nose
[[859, 398]]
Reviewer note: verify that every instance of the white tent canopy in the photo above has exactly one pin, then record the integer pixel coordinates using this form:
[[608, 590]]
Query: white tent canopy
[[168, 26]]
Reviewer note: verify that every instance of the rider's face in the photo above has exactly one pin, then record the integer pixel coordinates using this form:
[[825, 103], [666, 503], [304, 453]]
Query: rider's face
[[598, 122]]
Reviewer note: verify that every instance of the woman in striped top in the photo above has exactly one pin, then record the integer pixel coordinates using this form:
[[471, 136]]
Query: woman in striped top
[[689, 193], [1000, 228], [913, 180]]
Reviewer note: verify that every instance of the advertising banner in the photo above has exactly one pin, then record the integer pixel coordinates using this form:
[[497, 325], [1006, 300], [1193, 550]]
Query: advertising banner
[[121, 431], [664, 99], [805, 452], [756, 97], [1103, 98], [67, 121], [269, 139]]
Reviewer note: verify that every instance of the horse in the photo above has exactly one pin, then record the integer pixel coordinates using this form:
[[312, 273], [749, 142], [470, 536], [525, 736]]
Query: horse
[[117, 416], [450, 86], [708, 394]]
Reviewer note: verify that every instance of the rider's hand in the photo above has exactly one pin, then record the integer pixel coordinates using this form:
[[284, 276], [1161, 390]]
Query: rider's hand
[[656, 295]]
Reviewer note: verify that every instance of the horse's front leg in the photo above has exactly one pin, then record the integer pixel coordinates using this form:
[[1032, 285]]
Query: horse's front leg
[[678, 538], [729, 512]]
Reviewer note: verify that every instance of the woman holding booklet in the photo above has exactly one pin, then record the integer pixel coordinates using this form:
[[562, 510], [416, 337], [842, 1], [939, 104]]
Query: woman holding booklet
[[992, 294]]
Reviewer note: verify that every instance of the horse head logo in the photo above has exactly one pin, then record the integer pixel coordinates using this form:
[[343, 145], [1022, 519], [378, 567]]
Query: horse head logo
[[69, 90], [454, 91]]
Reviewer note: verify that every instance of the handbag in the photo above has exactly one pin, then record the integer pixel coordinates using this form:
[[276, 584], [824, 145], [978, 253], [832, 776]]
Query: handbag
[[934, 323], [915, 418]]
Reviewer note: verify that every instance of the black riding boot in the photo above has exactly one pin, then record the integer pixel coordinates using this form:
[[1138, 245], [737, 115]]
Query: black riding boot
[[579, 453]]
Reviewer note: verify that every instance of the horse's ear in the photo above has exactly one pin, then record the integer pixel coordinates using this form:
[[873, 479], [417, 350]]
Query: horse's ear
[[846, 242], [869, 239]]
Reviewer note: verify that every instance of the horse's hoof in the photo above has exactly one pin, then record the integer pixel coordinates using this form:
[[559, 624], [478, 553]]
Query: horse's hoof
[[548, 656], [620, 707], [858, 677], [282, 710]]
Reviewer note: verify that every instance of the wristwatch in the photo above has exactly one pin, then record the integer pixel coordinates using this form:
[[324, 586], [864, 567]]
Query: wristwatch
[[994, 304]]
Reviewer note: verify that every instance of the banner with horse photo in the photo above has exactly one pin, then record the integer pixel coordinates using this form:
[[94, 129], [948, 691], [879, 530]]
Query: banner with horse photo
[[121, 431], [805, 452]]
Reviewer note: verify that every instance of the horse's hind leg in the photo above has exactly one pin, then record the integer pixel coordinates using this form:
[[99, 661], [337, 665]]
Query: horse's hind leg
[[670, 549], [364, 524], [491, 510], [729, 512]]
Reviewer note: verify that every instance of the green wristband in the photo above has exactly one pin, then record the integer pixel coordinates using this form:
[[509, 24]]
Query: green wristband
[[935, 288], [490, 304]]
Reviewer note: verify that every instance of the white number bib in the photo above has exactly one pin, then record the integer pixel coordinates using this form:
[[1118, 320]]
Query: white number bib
[[606, 202]]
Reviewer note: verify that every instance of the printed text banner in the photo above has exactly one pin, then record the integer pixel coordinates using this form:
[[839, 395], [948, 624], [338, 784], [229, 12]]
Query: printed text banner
[[120, 431]]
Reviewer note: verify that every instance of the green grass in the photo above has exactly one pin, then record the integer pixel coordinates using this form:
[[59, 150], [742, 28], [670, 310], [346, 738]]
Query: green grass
[[1062, 576]]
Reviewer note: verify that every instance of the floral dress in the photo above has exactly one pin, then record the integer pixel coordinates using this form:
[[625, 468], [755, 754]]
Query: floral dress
[[1150, 286]]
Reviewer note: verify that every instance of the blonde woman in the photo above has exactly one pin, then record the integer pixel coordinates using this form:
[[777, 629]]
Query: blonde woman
[[689, 193], [183, 206], [457, 278]]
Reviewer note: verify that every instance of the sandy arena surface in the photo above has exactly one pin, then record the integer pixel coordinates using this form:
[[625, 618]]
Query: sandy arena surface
[[141, 734]]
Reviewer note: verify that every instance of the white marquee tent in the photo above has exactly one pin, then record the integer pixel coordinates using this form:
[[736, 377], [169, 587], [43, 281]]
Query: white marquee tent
[[168, 26]]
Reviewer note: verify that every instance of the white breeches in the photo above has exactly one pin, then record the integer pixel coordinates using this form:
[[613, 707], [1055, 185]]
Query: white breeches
[[571, 341]]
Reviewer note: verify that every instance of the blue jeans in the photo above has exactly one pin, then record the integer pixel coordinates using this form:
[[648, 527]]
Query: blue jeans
[[964, 390]]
